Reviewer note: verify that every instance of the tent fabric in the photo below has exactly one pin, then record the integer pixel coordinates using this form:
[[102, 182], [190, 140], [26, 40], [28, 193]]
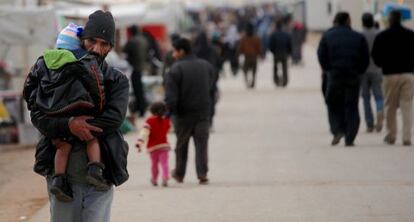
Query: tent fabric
[[27, 26], [126, 15]]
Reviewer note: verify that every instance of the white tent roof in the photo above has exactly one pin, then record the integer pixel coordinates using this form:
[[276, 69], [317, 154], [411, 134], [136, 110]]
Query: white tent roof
[[21, 26], [132, 13], [123, 14]]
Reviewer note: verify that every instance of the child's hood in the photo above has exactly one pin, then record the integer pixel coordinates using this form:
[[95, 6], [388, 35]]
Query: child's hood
[[56, 58]]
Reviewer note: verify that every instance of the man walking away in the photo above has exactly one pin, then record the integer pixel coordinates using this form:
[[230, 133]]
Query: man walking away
[[344, 56], [251, 48], [281, 47], [189, 96], [136, 50], [299, 32], [372, 80], [203, 49], [392, 51], [231, 41]]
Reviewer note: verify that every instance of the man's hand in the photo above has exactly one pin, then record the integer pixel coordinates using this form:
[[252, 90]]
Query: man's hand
[[81, 129]]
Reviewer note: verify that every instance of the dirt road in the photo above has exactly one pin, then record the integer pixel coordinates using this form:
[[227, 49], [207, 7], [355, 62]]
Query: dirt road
[[22, 191]]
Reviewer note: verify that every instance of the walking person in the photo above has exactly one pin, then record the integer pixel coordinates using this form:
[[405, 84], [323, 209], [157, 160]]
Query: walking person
[[298, 39], [280, 44], [392, 52], [88, 204], [189, 96], [154, 135], [203, 49], [251, 48], [168, 60], [136, 50], [74, 71], [344, 56], [372, 80], [231, 42], [153, 54]]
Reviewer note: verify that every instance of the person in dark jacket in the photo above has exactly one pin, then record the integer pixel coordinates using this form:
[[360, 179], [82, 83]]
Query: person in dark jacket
[[88, 204], [231, 43], [344, 56], [136, 50], [392, 51], [219, 48], [72, 71], [280, 44], [168, 60], [153, 54], [299, 32], [189, 96], [203, 49]]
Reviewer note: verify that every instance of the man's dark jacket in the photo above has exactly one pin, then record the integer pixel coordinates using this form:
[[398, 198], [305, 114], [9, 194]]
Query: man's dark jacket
[[114, 149], [190, 87], [280, 44], [393, 50], [343, 53]]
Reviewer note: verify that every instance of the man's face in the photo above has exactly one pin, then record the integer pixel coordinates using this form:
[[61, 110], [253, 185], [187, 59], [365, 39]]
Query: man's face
[[97, 46]]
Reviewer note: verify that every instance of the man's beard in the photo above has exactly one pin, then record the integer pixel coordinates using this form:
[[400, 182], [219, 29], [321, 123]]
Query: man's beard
[[99, 58]]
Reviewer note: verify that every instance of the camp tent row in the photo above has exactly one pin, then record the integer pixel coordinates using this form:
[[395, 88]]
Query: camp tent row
[[40, 25]]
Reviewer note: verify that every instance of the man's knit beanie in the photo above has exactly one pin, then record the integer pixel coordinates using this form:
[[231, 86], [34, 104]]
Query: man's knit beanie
[[100, 25], [68, 38]]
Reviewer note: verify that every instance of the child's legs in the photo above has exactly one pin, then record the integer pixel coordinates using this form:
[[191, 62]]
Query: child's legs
[[93, 150], [62, 155], [164, 164], [154, 164]]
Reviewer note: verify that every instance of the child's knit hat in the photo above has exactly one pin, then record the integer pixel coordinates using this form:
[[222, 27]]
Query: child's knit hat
[[68, 38]]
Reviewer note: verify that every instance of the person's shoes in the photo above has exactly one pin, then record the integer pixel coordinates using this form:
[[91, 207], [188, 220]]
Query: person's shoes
[[203, 180], [407, 143], [370, 129], [95, 176], [388, 140], [176, 178], [165, 183], [61, 188], [154, 182], [380, 120], [336, 139], [349, 144]]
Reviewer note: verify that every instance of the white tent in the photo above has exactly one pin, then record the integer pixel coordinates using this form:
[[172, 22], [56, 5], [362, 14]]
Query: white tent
[[124, 15], [27, 26], [133, 13]]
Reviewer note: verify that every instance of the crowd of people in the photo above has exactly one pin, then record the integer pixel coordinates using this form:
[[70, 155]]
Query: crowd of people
[[368, 62], [243, 37], [78, 102]]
